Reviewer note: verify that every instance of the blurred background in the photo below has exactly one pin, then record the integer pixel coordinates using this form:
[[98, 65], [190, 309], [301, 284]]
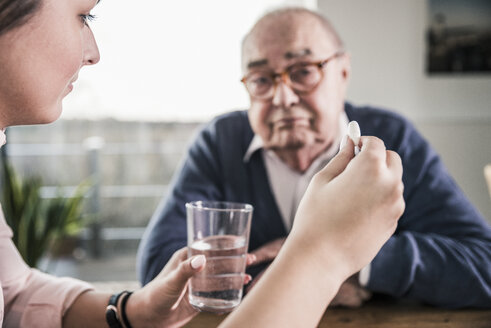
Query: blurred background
[[168, 67]]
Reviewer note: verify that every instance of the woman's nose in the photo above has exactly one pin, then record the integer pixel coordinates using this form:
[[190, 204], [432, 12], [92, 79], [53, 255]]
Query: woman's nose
[[91, 51]]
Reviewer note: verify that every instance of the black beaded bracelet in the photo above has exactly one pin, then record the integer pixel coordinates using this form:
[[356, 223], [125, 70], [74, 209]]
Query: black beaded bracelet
[[112, 317], [123, 309]]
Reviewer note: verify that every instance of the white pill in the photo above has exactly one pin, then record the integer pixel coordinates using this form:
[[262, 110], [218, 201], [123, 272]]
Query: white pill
[[354, 133]]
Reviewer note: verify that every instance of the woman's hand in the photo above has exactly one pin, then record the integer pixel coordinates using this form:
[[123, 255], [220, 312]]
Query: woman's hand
[[352, 206], [164, 301], [350, 209]]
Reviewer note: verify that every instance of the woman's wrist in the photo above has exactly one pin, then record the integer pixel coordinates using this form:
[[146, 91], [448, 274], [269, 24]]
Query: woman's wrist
[[123, 316], [138, 311], [88, 310], [322, 253]]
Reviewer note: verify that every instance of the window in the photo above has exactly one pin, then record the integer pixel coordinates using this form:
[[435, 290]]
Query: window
[[167, 60]]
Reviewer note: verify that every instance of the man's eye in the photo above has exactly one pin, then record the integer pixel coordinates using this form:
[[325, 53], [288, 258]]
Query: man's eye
[[304, 75], [86, 18], [261, 80], [304, 71]]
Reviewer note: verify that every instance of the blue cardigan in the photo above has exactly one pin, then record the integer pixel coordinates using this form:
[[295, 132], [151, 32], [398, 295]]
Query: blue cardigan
[[440, 253]]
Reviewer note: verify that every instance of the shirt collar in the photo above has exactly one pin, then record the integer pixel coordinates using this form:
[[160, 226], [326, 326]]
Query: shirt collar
[[257, 143], [3, 137]]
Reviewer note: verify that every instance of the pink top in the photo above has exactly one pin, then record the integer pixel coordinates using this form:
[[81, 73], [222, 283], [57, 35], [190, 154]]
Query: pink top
[[28, 297]]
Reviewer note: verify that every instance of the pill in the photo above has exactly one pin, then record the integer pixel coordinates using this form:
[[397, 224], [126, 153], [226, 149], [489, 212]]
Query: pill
[[354, 133]]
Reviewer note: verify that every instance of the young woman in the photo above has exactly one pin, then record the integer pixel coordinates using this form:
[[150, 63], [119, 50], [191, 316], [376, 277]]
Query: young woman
[[350, 209]]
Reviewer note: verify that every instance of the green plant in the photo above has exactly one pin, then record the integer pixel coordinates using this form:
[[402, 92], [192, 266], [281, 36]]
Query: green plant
[[37, 222]]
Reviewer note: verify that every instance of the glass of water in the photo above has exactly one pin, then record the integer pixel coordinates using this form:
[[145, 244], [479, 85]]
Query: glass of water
[[220, 231]]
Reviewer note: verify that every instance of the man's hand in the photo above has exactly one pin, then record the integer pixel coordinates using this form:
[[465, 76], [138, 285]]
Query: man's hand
[[265, 253], [268, 251], [351, 294]]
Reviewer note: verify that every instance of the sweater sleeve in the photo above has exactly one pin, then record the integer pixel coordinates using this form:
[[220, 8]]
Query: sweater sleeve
[[198, 179], [441, 251], [32, 298]]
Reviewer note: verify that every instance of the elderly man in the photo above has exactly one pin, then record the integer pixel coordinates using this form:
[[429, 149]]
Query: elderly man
[[297, 73]]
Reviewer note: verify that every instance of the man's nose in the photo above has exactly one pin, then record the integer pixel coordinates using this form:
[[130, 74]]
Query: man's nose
[[284, 95]]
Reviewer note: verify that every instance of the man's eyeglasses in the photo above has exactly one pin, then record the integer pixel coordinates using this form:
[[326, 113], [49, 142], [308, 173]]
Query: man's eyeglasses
[[301, 77]]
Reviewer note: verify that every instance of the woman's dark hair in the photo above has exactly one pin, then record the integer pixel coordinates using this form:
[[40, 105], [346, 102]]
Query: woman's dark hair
[[14, 13]]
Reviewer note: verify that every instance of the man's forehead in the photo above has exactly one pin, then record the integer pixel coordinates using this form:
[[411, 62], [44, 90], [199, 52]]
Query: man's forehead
[[281, 40], [297, 53]]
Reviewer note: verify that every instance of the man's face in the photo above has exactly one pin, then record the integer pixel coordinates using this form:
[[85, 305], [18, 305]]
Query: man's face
[[292, 120]]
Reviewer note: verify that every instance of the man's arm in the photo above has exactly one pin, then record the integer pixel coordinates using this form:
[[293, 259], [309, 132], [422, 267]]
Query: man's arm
[[441, 252]]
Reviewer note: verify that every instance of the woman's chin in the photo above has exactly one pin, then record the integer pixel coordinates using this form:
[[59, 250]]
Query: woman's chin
[[51, 115], [44, 117]]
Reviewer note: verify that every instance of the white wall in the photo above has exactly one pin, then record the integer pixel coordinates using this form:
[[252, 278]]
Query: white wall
[[386, 39]]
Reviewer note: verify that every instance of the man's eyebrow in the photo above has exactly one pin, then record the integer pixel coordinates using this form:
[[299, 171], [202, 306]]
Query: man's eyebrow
[[295, 54], [255, 63], [288, 55]]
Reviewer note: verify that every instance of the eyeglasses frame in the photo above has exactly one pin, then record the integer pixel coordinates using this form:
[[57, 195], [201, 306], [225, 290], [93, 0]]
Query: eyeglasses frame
[[285, 76]]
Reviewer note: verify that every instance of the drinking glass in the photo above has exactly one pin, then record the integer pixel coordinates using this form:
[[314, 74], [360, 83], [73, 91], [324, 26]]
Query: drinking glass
[[220, 231]]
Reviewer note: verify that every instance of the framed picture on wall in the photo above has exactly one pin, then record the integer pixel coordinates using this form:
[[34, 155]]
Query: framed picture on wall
[[458, 36]]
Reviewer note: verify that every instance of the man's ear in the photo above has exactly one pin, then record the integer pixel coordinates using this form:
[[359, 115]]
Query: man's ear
[[346, 66]]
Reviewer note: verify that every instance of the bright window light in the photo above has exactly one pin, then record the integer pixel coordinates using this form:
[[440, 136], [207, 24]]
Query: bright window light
[[167, 60]]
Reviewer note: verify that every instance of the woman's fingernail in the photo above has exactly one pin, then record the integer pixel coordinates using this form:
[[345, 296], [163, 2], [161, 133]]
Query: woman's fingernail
[[198, 261]]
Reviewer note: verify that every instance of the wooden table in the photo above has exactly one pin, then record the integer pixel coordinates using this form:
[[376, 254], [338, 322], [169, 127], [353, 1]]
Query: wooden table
[[384, 313]]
